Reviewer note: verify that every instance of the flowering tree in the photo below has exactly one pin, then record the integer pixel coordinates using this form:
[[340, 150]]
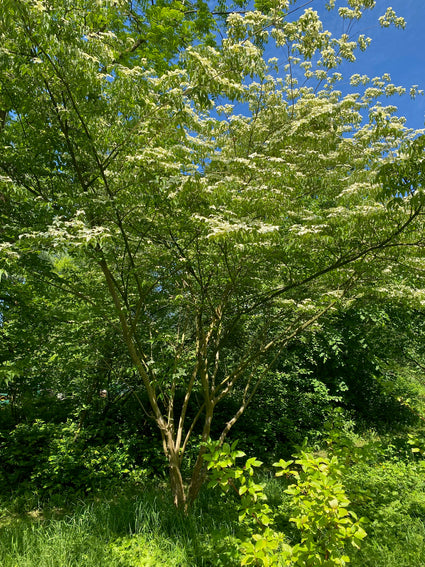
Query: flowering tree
[[208, 237]]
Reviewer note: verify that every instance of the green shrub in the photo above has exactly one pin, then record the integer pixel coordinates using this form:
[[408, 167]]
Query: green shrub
[[47, 459], [319, 510]]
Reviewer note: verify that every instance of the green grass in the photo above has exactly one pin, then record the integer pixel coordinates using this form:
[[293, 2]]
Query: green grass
[[406, 549], [391, 494], [129, 530]]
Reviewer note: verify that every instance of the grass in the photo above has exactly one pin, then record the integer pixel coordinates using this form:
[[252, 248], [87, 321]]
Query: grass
[[407, 549], [128, 530], [391, 494]]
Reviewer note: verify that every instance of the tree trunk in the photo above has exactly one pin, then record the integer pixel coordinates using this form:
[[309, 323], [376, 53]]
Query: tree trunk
[[176, 481], [199, 470], [197, 479]]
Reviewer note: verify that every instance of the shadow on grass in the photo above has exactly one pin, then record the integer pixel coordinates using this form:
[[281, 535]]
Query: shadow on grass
[[132, 528]]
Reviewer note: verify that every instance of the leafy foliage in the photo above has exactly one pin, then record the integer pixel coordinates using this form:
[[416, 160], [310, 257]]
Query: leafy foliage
[[48, 459], [319, 507]]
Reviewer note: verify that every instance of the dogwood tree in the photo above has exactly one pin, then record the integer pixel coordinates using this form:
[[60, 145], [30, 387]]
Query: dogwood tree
[[209, 201]]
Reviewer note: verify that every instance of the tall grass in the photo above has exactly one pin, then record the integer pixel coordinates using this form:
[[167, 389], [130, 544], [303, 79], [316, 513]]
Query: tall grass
[[129, 530], [405, 549]]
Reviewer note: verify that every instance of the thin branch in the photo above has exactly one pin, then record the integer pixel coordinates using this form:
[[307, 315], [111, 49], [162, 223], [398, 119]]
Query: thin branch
[[191, 428], [386, 243], [247, 400], [185, 405], [162, 424]]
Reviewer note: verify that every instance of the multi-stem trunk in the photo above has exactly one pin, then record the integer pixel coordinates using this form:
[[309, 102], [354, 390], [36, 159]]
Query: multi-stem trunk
[[198, 473], [176, 481], [183, 497]]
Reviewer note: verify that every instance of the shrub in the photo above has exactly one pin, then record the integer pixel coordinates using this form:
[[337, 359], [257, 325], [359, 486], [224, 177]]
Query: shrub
[[319, 505], [47, 458]]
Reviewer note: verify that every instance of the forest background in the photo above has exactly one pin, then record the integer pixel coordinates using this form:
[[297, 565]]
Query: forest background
[[207, 235]]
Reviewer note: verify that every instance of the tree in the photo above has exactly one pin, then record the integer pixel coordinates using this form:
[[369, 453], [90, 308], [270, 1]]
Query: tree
[[207, 239]]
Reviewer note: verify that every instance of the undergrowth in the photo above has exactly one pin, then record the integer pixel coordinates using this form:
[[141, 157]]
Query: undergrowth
[[137, 526]]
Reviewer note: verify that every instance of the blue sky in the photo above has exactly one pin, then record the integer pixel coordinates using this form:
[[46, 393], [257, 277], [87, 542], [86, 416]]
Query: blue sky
[[398, 52], [401, 53]]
